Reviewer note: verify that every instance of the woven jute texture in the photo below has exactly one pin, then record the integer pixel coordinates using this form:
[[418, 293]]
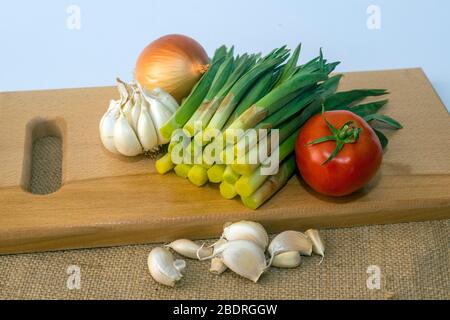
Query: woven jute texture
[[413, 259]]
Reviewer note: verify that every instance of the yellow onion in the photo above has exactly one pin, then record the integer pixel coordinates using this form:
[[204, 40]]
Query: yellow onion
[[174, 63]]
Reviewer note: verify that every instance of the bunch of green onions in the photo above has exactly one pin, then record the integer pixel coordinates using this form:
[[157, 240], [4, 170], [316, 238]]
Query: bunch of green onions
[[253, 92]]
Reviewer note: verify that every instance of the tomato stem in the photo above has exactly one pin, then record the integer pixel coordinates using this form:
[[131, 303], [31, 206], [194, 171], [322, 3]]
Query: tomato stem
[[347, 133]]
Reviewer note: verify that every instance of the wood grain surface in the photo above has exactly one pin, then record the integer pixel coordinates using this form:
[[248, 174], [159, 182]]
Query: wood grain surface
[[110, 200]]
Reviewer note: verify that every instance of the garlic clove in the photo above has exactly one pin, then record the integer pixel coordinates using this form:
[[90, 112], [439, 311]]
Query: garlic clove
[[113, 105], [163, 268], [146, 131], [135, 111], [217, 266], [125, 139], [106, 127], [134, 86], [127, 110], [243, 257], [190, 249], [129, 103], [290, 259], [247, 230], [290, 241], [160, 114], [165, 98], [124, 91], [318, 246]]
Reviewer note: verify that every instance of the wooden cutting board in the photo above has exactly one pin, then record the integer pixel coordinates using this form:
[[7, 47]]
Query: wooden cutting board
[[110, 200]]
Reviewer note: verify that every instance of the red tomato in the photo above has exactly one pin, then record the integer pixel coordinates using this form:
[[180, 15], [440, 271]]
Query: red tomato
[[352, 167]]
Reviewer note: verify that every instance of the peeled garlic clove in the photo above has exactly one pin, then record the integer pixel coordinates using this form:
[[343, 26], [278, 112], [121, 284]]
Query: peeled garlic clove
[[290, 241], [165, 98], [244, 257], [163, 268], [160, 114], [290, 259], [106, 128], [146, 131], [318, 246], [125, 139], [217, 266], [190, 249], [247, 230]]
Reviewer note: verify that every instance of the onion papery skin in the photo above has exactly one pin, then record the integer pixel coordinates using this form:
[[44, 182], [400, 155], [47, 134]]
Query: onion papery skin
[[174, 63]]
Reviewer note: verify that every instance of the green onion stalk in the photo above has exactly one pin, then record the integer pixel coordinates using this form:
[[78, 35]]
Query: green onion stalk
[[216, 119], [273, 102], [228, 74], [248, 184], [271, 185], [198, 93]]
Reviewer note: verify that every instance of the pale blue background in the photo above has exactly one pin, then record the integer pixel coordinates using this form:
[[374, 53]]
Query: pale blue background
[[38, 51]]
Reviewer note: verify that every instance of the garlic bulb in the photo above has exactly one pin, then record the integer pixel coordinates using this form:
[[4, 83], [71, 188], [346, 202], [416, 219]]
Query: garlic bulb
[[246, 230], [243, 257], [190, 249], [131, 124], [163, 268]]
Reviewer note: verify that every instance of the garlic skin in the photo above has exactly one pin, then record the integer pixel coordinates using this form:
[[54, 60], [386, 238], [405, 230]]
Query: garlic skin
[[290, 241], [290, 259], [218, 245], [318, 246], [246, 230], [190, 249], [131, 124], [243, 257], [163, 268]]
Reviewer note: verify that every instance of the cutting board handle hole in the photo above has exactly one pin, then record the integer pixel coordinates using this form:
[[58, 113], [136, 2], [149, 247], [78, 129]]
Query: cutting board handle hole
[[42, 171]]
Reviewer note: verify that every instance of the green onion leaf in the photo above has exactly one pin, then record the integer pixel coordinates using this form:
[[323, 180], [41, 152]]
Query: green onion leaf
[[384, 119]]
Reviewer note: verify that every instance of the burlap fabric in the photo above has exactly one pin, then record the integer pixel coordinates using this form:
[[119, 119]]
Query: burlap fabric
[[413, 259]]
